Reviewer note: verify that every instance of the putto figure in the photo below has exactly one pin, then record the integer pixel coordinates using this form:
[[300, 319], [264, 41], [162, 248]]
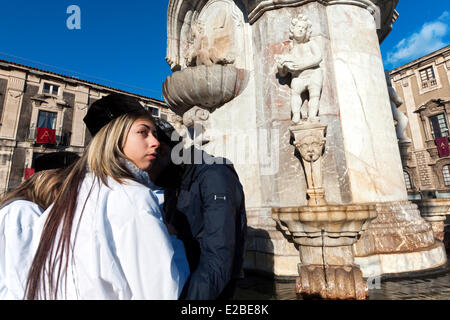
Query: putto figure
[[303, 63], [400, 117]]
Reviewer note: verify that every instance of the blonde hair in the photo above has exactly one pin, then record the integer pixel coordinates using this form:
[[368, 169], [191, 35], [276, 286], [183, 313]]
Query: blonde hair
[[41, 188], [103, 159]]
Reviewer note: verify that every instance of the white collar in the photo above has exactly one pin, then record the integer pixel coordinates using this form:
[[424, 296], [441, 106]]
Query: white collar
[[141, 175]]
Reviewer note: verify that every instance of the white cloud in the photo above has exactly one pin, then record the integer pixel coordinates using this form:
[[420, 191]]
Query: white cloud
[[445, 15], [430, 38]]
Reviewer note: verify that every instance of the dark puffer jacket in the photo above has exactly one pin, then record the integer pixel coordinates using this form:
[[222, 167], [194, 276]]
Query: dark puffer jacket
[[207, 211]]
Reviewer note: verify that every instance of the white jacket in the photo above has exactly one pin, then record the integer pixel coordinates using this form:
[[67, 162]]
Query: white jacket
[[16, 223], [122, 248]]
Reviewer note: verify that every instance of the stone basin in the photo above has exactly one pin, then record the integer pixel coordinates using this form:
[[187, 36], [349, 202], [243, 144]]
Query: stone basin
[[208, 87], [435, 211], [433, 207], [328, 225]]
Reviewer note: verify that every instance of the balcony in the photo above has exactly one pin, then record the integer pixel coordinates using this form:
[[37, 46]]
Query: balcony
[[429, 83], [49, 137], [432, 149]]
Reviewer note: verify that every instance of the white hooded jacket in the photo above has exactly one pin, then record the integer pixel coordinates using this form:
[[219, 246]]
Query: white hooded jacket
[[120, 248], [16, 222]]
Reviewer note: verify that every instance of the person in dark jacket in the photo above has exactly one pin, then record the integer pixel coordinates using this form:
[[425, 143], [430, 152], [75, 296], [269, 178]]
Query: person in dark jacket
[[205, 206]]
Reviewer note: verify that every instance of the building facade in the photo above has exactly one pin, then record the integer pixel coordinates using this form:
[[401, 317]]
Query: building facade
[[424, 86], [42, 112]]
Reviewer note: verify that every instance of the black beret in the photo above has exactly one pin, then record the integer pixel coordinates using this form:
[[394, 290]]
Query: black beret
[[55, 160], [109, 108]]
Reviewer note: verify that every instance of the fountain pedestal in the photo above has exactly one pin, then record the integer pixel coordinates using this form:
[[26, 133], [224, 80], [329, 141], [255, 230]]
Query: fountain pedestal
[[435, 211], [325, 235]]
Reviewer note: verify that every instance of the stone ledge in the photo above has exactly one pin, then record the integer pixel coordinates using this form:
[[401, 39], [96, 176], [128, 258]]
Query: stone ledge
[[270, 264], [385, 264]]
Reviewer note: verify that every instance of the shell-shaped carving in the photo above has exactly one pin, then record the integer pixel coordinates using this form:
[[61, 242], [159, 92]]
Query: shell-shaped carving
[[208, 87]]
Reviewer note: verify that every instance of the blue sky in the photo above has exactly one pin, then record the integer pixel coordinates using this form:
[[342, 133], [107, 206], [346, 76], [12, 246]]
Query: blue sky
[[122, 44], [423, 27]]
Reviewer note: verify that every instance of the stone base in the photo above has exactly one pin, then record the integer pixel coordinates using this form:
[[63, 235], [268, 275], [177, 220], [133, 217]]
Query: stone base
[[434, 211], [272, 265], [268, 251], [397, 241], [331, 282], [438, 229], [385, 264], [398, 228]]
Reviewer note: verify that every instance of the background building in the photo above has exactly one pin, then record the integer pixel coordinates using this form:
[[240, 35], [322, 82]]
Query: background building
[[43, 112], [424, 86]]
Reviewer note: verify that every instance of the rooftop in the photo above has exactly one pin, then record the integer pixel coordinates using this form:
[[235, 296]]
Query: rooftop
[[70, 79], [421, 59]]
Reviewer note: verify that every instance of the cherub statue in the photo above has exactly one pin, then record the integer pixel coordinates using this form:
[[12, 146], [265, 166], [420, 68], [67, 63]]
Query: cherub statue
[[396, 101], [303, 63]]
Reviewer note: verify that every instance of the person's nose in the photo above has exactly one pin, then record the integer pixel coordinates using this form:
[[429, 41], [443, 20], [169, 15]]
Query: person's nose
[[154, 142]]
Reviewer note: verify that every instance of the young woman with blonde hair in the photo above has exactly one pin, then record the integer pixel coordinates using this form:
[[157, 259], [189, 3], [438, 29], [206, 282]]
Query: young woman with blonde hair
[[19, 210], [41, 188], [104, 237]]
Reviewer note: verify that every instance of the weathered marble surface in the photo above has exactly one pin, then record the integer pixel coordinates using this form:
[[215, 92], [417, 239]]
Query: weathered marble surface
[[435, 212], [327, 225], [209, 87], [302, 63], [397, 241], [370, 142], [331, 282], [273, 107], [325, 235], [403, 262], [398, 228]]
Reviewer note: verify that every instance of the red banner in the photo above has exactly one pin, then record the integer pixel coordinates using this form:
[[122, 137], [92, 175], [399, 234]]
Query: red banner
[[442, 145], [28, 172], [45, 135]]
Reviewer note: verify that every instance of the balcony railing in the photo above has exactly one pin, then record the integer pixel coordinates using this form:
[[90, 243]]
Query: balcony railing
[[429, 83], [49, 137]]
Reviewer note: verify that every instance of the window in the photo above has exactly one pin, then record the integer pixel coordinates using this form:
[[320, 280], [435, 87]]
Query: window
[[446, 175], [408, 180], [47, 119], [50, 89], [439, 127], [154, 111], [427, 77], [163, 124], [164, 116]]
